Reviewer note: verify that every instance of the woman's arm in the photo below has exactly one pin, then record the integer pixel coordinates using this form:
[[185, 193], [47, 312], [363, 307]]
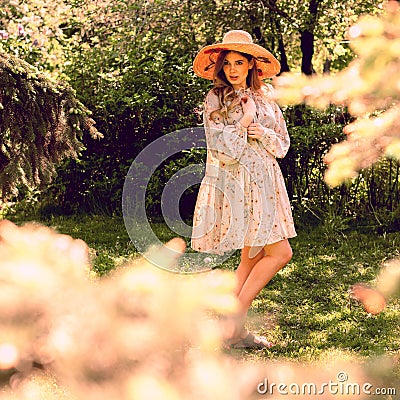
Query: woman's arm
[[276, 141], [226, 142]]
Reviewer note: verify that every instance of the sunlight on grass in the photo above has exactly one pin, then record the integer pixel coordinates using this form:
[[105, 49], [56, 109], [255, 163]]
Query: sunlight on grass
[[318, 338], [289, 268], [325, 257], [324, 318]]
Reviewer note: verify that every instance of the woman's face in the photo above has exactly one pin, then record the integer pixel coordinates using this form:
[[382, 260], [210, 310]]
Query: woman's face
[[236, 68]]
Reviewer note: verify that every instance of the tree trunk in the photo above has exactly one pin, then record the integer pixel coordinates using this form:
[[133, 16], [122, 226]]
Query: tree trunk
[[307, 34], [258, 33], [274, 15], [281, 48], [327, 66], [307, 48], [307, 39]]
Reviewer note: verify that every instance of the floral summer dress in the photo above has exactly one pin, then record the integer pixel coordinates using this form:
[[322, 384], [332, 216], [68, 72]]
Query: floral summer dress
[[242, 200]]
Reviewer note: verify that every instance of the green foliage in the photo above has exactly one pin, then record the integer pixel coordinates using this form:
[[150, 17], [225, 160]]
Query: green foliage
[[24, 48], [97, 180], [372, 100], [41, 122], [313, 133], [92, 184], [31, 30], [130, 63], [164, 174]]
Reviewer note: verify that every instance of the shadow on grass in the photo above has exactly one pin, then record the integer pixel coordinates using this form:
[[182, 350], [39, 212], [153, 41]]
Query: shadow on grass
[[309, 298]]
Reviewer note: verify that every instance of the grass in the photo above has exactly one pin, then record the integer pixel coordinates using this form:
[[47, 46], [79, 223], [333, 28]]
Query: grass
[[306, 309], [313, 310]]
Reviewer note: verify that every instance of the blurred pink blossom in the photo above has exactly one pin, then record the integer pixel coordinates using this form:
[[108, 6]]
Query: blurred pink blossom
[[21, 30]]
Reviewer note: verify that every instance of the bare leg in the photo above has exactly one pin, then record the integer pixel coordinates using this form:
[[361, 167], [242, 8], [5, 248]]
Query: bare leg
[[246, 265], [277, 255], [254, 273]]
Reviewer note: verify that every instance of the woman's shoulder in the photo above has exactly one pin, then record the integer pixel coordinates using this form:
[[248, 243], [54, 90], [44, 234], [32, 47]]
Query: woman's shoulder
[[212, 100], [211, 93]]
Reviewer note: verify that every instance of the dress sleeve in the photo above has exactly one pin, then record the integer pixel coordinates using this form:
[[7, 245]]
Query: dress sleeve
[[276, 140], [226, 142]]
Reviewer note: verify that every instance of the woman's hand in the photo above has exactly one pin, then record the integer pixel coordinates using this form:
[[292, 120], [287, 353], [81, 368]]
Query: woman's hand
[[249, 111], [249, 106], [255, 130]]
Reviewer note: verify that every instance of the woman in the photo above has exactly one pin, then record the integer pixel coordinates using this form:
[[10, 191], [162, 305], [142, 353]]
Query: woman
[[242, 201]]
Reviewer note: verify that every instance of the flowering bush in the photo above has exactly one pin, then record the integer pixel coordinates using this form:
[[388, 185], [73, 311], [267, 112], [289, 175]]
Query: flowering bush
[[140, 333], [32, 30], [369, 87]]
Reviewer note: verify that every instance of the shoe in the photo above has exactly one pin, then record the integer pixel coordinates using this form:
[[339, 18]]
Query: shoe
[[252, 341]]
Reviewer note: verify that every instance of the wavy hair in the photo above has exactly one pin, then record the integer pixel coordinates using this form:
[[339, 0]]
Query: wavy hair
[[224, 90]]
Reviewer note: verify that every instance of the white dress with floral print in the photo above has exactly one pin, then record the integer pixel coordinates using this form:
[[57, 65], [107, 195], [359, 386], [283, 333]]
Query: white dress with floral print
[[242, 200]]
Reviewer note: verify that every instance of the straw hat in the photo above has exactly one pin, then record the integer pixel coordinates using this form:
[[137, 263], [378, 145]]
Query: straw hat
[[237, 40]]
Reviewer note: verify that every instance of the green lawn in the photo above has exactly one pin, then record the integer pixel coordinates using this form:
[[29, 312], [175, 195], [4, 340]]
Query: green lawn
[[306, 309]]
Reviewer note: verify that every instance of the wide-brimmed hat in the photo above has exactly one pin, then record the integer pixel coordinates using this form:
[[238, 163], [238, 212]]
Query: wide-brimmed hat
[[236, 40]]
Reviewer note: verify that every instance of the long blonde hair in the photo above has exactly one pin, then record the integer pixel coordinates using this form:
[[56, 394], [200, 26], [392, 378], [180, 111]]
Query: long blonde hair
[[223, 89]]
